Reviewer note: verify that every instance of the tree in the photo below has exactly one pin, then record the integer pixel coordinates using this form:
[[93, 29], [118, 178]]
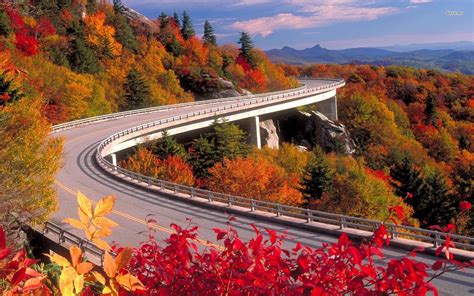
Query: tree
[[5, 27], [430, 110], [167, 146], [226, 140], [124, 33], [82, 59], [318, 176], [187, 27], [176, 19], [100, 35], [209, 36], [408, 181], [164, 22], [246, 47], [172, 168], [254, 178], [438, 206], [137, 90], [30, 159]]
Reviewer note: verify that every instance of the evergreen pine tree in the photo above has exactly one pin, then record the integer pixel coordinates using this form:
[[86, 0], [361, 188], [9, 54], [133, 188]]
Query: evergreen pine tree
[[408, 181], [317, 177], [438, 206], [225, 141], [430, 110], [168, 146], [176, 19], [246, 47], [82, 59], [5, 26], [137, 91], [124, 33], [187, 27], [164, 22], [209, 37]]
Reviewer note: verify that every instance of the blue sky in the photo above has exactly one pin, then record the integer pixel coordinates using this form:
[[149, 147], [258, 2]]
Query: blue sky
[[331, 23]]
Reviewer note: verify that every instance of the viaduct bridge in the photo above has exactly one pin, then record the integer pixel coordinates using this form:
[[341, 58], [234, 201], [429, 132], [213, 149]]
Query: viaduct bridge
[[90, 166]]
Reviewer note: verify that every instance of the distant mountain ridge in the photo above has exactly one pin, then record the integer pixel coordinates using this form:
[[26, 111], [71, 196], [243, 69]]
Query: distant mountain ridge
[[444, 59]]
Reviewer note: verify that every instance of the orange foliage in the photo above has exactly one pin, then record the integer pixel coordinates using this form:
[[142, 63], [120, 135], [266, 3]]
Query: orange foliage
[[101, 35], [254, 178], [173, 169]]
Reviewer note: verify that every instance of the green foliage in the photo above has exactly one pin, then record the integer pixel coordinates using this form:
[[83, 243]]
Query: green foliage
[[137, 91], [209, 36], [124, 33], [187, 29], [226, 140], [167, 146], [430, 110], [9, 93], [5, 27], [246, 47], [437, 205], [82, 58], [176, 19], [318, 176]]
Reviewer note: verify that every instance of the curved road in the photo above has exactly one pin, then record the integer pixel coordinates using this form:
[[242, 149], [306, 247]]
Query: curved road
[[80, 172]]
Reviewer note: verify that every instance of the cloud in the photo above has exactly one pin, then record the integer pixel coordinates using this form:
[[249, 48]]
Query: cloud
[[318, 16], [420, 1]]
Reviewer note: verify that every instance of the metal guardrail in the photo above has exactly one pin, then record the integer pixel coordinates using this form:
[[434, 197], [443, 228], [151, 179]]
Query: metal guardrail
[[65, 236]]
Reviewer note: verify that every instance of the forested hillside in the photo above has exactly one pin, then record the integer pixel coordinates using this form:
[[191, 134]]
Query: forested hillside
[[89, 58]]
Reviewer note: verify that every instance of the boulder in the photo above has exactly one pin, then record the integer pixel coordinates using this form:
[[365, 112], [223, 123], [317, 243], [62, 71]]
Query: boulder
[[268, 134], [331, 136]]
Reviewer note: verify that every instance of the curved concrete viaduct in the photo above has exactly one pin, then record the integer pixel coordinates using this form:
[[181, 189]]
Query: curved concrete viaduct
[[82, 172]]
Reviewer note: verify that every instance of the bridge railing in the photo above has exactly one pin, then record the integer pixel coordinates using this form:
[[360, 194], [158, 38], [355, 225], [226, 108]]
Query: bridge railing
[[280, 210], [90, 120]]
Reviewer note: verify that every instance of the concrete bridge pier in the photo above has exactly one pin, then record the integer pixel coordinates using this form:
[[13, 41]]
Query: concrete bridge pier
[[329, 108], [254, 132]]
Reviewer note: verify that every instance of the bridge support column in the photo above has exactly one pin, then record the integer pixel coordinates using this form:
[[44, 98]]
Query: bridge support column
[[255, 132], [329, 108], [114, 160]]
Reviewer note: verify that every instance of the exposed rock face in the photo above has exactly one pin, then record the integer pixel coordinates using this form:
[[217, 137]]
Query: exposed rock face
[[268, 134], [311, 129], [324, 132], [137, 17], [223, 89]]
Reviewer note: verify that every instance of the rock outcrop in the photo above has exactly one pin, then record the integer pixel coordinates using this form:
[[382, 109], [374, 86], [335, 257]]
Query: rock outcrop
[[324, 132], [213, 88], [269, 135], [311, 129]]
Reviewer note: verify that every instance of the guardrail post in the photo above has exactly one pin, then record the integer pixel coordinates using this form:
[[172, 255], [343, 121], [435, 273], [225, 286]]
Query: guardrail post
[[161, 184], [229, 201], [209, 196], [192, 192], [342, 223], [175, 188], [149, 181], [61, 236], [278, 211], [309, 217], [394, 232], [252, 206], [437, 241]]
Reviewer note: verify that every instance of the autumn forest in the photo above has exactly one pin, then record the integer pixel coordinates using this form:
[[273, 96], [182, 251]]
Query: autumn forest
[[62, 60]]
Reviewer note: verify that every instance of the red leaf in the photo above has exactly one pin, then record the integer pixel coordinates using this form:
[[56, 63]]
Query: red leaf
[[437, 265]]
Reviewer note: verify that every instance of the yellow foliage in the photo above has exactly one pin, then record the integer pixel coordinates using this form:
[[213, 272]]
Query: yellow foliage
[[92, 220]]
